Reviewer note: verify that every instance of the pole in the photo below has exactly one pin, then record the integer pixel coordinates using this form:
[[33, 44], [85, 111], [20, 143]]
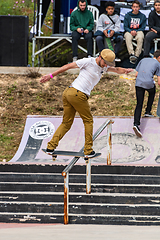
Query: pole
[[88, 176], [109, 144], [53, 16], [40, 18], [66, 193]]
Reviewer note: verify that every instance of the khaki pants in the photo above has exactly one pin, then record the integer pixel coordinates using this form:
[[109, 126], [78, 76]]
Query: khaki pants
[[139, 38], [74, 100]]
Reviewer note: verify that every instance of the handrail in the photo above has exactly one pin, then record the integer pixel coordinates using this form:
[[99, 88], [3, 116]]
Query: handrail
[[75, 159], [65, 172]]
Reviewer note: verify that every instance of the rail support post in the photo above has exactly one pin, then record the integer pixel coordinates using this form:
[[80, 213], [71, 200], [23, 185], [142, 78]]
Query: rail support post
[[66, 194], [88, 176], [109, 143]]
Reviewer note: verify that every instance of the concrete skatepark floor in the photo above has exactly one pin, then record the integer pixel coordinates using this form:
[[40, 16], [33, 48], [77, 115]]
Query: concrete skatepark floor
[[78, 232]]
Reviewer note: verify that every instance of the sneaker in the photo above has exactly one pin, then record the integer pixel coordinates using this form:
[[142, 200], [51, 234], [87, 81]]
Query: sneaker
[[49, 151], [92, 154], [75, 59], [137, 131], [148, 114], [133, 59], [89, 56], [117, 59]]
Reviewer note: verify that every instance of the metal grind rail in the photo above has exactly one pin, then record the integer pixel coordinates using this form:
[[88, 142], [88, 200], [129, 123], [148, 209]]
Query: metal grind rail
[[65, 173]]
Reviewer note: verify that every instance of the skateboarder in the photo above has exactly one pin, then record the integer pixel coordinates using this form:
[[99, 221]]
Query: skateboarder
[[75, 97], [146, 69]]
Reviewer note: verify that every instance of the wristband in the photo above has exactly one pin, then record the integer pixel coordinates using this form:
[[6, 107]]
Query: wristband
[[51, 75]]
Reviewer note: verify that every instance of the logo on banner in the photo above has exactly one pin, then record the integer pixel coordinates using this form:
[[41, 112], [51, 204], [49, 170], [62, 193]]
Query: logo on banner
[[41, 130]]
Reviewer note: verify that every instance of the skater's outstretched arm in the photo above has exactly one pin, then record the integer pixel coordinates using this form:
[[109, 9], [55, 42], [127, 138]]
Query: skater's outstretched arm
[[58, 71], [119, 70]]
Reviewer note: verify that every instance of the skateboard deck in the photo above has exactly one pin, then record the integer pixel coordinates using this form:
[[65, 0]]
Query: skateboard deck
[[69, 153], [158, 107]]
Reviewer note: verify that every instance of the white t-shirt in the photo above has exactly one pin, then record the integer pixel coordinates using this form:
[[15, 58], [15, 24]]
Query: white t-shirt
[[89, 76]]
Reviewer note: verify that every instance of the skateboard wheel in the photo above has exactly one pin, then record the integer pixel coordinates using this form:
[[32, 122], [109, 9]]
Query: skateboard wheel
[[54, 157], [86, 159]]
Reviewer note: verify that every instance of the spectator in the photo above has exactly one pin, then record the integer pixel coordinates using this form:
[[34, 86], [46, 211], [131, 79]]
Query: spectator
[[109, 21], [81, 24], [154, 27], [134, 26]]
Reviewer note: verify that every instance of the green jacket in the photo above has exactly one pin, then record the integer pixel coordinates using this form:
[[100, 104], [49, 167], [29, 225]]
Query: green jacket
[[81, 19]]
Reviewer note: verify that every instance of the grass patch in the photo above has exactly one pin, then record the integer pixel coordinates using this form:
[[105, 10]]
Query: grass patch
[[11, 89], [93, 93], [5, 139]]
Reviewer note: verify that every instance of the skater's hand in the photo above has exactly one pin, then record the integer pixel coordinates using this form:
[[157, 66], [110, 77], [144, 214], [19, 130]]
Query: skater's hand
[[45, 78], [128, 70]]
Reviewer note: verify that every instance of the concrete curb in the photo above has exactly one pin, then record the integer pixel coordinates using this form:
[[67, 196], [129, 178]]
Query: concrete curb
[[47, 70], [24, 70]]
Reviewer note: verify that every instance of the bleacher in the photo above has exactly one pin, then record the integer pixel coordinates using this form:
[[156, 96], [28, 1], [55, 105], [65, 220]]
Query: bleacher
[[48, 44]]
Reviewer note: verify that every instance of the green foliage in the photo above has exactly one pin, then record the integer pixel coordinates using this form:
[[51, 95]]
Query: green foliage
[[17, 7], [6, 7]]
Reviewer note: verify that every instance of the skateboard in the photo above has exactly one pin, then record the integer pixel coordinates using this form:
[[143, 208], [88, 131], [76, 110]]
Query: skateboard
[[158, 107], [69, 153]]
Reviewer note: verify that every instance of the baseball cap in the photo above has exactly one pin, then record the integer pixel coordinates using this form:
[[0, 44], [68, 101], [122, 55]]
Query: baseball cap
[[108, 56]]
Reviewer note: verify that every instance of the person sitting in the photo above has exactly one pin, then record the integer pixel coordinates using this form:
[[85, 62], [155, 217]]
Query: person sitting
[[154, 27], [108, 27], [82, 24], [134, 26]]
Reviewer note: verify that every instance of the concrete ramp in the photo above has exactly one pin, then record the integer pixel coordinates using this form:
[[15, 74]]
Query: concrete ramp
[[127, 149]]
